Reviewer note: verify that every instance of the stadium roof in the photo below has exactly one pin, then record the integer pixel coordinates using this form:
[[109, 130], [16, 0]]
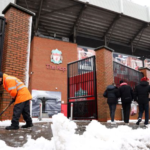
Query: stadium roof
[[119, 24]]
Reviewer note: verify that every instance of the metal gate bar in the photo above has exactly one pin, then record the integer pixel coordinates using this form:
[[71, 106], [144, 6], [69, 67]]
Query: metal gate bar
[[82, 88], [129, 75]]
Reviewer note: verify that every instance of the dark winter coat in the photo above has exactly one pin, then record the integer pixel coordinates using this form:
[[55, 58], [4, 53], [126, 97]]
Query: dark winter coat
[[141, 92], [112, 94], [126, 93]]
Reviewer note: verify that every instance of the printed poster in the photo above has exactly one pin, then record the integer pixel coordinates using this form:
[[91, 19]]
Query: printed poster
[[50, 99]]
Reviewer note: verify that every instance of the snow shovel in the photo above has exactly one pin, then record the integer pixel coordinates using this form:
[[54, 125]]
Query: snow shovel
[[7, 107]]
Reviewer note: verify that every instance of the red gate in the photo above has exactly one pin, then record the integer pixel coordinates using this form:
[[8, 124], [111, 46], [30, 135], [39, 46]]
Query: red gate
[[82, 88]]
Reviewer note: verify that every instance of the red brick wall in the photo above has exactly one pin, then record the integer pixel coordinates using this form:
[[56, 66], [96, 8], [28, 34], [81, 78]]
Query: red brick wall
[[118, 114], [48, 79], [104, 73], [105, 77], [15, 51]]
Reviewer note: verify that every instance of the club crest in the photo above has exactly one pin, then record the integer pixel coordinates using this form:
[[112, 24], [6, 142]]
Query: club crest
[[56, 56]]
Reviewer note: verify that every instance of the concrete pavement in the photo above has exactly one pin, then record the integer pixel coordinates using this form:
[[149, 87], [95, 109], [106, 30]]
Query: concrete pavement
[[17, 138]]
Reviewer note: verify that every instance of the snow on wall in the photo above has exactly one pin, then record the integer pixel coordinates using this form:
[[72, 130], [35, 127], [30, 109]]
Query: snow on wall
[[28, 54], [3, 4]]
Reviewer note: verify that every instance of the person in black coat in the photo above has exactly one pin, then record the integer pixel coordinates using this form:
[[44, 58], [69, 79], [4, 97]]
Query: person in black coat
[[141, 95], [112, 95], [126, 94]]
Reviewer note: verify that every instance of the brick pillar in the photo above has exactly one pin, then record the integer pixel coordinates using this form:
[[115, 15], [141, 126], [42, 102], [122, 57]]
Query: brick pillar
[[146, 72], [16, 53], [104, 73]]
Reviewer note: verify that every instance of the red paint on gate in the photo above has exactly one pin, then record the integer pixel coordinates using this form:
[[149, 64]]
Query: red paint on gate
[[64, 109], [84, 82]]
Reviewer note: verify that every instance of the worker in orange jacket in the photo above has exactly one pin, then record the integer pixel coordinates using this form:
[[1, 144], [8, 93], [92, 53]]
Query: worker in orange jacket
[[21, 96]]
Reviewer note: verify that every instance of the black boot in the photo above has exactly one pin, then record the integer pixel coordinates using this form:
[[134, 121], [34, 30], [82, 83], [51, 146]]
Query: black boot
[[138, 122], [145, 125], [27, 125], [12, 128]]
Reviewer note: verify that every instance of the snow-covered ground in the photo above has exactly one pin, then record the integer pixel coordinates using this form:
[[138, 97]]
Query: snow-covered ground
[[35, 120], [96, 137]]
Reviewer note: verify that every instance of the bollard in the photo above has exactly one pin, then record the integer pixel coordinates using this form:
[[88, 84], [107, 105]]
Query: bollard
[[122, 114], [31, 108], [71, 112], [40, 117]]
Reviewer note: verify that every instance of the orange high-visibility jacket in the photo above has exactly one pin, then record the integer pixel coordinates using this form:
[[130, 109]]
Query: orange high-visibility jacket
[[16, 88]]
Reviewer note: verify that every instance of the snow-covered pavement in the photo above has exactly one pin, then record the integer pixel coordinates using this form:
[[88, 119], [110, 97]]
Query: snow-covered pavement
[[18, 138], [96, 137]]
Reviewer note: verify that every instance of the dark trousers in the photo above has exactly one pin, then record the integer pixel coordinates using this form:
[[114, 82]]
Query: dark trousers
[[112, 108], [142, 108], [24, 109], [126, 111]]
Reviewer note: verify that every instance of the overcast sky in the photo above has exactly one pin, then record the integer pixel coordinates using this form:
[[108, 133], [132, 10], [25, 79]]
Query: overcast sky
[[142, 2]]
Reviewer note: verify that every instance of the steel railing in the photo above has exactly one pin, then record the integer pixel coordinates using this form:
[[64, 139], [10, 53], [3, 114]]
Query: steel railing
[[129, 75]]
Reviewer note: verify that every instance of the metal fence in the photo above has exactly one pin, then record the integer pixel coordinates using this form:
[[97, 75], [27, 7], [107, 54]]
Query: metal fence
[[82, 88], [129, 75], [2, 31]]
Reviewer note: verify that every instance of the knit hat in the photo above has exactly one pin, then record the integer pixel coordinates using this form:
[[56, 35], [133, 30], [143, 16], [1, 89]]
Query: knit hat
[[121, 81], [144, 79], [1, 74]]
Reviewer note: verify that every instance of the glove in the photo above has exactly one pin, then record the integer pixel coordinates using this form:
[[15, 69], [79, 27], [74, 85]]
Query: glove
[[13, 100]]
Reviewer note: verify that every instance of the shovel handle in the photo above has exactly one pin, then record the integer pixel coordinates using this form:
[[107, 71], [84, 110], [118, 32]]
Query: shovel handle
[[6, 107]]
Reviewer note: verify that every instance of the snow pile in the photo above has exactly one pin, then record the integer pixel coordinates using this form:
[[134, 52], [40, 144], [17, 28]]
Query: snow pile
[[123, 137], [5, 123], [39, 144], [63, 132], [96, 137]]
